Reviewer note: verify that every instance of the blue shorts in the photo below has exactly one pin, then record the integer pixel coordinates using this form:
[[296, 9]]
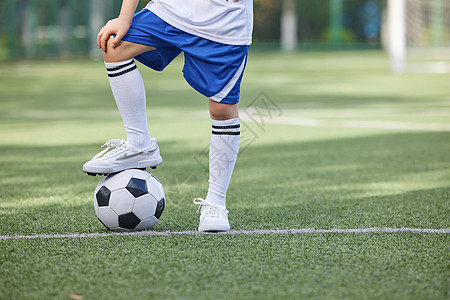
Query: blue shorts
[[213, 69]]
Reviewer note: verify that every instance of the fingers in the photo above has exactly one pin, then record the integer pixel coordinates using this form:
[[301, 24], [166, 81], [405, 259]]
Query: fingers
[[104, 40], [117, 39], [103, 37], [99, 35]]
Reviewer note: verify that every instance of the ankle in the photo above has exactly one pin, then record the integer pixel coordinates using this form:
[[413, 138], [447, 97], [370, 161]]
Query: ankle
[[140, 142], [215, 199]]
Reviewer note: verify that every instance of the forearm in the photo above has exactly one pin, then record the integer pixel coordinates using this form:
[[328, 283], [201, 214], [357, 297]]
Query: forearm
[[128, 9]]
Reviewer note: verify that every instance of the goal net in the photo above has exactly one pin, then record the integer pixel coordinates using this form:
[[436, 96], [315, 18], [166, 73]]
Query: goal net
[[419, 36]]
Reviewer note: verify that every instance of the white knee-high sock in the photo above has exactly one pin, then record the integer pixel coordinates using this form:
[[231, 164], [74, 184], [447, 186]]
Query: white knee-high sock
[[128, 90], [223, 151]]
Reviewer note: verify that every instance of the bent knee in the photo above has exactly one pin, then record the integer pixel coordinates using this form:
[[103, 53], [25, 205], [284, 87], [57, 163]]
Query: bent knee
[[124, 51], [116, 54]]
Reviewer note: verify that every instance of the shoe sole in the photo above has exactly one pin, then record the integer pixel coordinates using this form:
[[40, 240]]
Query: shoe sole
[[140, 165], [214, 231], [214, 228]]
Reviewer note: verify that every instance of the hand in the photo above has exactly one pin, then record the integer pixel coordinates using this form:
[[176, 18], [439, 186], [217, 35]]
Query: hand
[[118, 26]]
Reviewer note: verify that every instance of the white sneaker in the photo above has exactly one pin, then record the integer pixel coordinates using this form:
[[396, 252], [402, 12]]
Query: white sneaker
[[119, 156], [212, 217]]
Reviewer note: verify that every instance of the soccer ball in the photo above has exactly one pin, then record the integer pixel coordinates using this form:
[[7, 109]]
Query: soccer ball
[[130, 200]]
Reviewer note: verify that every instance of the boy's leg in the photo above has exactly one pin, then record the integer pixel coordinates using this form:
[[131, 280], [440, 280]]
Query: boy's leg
[[223, 151], [139, 150]]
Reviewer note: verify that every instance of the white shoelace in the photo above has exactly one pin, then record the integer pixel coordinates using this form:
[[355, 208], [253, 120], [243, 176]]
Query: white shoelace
[[112, 147], [212, 210]]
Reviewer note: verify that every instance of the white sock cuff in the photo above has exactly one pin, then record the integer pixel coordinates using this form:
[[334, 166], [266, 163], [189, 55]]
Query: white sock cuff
[[116, 64], [116, 69], [226, 127]]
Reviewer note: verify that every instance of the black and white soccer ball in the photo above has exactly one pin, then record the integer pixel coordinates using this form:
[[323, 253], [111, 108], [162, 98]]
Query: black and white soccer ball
[[130, 200]]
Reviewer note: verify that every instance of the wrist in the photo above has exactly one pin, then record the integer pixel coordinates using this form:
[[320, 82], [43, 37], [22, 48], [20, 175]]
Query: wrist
[[125, 18]]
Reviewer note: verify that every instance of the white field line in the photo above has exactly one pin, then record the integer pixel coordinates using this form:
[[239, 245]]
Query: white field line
[[251, 115], [231, 232], [390, 125]]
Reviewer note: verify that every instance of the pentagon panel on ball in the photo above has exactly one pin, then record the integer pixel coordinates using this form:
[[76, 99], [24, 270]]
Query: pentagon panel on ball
[[129, 200]]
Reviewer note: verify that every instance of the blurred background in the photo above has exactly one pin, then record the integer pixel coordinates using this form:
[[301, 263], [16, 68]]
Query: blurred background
[[410, 30]]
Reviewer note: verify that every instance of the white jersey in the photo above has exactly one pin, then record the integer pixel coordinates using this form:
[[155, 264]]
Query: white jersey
[[222, 21]]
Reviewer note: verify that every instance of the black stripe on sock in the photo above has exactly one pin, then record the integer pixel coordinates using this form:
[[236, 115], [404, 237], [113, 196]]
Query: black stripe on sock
[[120, 67], [226, 132], [123, 72], [226, 127]]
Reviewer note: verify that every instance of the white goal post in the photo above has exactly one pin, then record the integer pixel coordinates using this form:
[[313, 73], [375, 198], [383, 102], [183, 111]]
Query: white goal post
[[396, 24]]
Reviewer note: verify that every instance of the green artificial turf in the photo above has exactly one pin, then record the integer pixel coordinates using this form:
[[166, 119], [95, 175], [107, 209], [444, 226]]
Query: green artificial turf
[[329, 140], [332, 266]]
